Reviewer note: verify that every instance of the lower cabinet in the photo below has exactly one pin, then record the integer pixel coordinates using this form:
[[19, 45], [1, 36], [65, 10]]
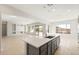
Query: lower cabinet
[[31, 50], [46, 49], [55, 44], [58, 41], [50, 48]]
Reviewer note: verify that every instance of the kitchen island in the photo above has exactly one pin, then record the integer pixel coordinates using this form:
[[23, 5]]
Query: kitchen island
[[41, 46]]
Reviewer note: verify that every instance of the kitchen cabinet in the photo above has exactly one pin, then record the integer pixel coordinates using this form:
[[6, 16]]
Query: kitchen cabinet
[[55, 44], [48, 48], [43, 50]]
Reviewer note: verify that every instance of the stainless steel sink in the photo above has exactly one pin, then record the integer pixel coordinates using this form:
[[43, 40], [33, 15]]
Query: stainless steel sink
[[49, 37]]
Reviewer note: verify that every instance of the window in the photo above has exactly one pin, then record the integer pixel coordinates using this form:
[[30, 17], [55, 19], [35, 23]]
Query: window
[[36, 29], [14, 28], [63, 28], [39, 30]]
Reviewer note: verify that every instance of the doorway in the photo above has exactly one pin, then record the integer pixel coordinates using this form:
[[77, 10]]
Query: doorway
[[4, 29]]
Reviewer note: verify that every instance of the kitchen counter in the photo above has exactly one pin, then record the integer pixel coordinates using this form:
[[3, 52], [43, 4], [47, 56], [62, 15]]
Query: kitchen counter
[[35, 40], [42, 46]]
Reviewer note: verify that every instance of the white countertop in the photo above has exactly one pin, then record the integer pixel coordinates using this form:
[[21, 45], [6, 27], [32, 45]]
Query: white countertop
[[35, 40]]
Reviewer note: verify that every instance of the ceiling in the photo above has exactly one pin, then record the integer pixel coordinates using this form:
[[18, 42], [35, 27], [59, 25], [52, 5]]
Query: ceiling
[[58, 12]]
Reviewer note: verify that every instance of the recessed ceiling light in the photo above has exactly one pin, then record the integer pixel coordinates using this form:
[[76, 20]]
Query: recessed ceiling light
[[53, 9], [68, 10], [44, 6]]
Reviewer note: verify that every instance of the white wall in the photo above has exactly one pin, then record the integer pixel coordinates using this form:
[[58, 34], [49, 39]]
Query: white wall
[[52, 28], [9, 28], [0, 32], [73, 24], [74, 28], [18, 27], [11, 11], [4, 9], [18, 21], [7, 12]]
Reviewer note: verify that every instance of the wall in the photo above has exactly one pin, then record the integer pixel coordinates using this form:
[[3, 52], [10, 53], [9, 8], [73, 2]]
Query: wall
[[20, 23], [0, 32], [78, 30], [19, 28], [74, 28], [73, 24], [52, 28], [13, 16]]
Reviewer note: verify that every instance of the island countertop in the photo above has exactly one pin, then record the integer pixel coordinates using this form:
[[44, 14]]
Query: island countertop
[[36, 41]]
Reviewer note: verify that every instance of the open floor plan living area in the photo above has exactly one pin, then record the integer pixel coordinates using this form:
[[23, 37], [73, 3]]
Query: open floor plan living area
[[39, 29]]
